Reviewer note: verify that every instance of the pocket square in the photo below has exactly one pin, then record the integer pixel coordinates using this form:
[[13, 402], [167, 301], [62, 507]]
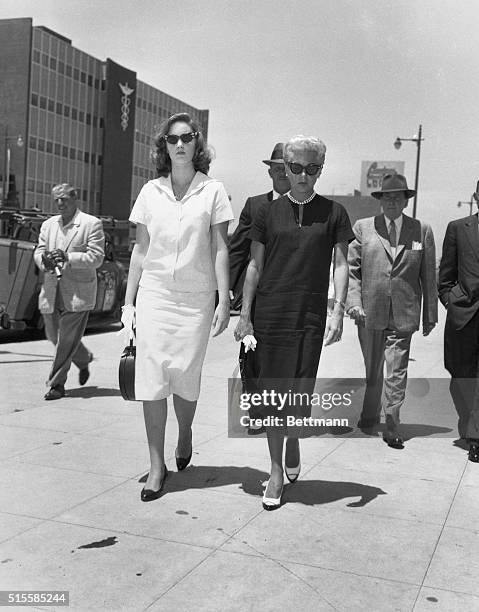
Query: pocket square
[[416, 246]]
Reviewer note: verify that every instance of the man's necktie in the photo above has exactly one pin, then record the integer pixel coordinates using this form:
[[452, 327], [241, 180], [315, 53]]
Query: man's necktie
[[392, 236]]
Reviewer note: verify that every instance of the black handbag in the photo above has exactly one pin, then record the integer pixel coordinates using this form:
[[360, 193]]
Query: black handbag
[[126, 372]]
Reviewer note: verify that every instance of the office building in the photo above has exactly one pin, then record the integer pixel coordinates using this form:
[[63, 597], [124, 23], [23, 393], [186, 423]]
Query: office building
[[67, 116]]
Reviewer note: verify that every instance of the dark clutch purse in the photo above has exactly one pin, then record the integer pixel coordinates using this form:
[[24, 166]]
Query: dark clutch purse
[[126, 372]]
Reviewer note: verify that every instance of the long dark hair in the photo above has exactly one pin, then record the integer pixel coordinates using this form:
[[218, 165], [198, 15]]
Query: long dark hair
[[202, 156]]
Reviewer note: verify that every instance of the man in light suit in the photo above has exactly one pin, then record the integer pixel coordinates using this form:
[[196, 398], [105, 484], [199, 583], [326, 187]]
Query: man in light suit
[[240, 243], [392, 266], [70, 247], [459, 292]]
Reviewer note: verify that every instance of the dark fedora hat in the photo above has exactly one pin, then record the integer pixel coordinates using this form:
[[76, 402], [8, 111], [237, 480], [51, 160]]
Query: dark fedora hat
[[392, 183], [276, 155]]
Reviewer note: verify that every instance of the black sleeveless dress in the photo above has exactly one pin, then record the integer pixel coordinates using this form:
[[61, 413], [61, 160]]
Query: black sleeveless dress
[[292, 294]]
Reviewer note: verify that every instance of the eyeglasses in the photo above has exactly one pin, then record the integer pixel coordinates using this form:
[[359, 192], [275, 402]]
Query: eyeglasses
[[185, 138], [310, 169]]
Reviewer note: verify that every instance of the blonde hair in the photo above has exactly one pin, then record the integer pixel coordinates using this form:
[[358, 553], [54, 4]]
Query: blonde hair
[[305, 143]]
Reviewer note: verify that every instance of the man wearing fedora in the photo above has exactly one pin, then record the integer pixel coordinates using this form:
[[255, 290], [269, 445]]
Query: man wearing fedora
[[392, 269], [240, 243], [70, 247], [459, 293]]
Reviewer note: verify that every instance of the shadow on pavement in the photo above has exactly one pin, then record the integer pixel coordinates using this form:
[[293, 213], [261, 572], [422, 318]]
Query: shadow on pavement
[[87, 392], [420, 430], [250, 480]]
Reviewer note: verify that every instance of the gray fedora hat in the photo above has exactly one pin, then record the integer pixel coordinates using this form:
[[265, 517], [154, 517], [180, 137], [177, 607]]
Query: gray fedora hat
[[393, 183], [276, 155]]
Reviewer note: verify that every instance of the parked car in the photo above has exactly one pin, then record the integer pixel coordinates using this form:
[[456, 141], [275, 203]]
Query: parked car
[[20, 279]]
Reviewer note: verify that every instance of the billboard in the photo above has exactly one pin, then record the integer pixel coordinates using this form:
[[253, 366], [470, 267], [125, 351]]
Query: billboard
[[372, 173]]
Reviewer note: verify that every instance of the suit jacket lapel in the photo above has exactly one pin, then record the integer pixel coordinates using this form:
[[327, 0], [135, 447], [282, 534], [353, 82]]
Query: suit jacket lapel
[[406, 231], [382, 232], [472, 233]]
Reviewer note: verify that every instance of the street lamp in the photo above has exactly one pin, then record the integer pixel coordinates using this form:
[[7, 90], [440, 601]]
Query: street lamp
[[417, 139], [6, 175], [469, 203]]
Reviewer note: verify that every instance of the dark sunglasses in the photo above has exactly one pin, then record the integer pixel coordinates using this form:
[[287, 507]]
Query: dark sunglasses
[[311, 169], [185, 138]]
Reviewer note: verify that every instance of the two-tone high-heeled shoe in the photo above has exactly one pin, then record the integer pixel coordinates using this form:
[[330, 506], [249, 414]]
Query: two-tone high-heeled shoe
[[272, 503], [292, 473]]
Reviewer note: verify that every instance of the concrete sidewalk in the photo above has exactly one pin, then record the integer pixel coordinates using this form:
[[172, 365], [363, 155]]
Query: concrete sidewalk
[[365, 528]]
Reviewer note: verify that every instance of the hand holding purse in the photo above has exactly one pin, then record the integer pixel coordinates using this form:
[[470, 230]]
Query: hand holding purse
[[126, 370]]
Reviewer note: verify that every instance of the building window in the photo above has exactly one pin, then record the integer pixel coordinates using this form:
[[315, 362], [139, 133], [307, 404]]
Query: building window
[[93, 158], [43, 102], [53, 63], [49, 146], [36, 56], [45, 60], [86, 157], [85, 195], [97, 83], [59, 108], [82, 77], [95, 121], [32, 142], [101, 122], [79, 155], [41, 144], [90, 80], [31, 184], [88, 119], [61, 67], [74, 114], [66, 111], [99, 160], [34, 99], [68, 70], [64, 151], [72, 153], [51, 105], [76, 74], [81, 116], [58, 149]]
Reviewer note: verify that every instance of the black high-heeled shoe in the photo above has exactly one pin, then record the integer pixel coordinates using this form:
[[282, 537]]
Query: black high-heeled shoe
[[148, 495], [182, 462]]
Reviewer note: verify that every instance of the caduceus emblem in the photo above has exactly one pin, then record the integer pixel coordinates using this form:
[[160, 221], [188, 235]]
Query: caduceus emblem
[[125, 104]]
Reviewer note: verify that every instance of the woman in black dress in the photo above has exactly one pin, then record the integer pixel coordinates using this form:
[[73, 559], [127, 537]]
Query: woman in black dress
[[293, 240]]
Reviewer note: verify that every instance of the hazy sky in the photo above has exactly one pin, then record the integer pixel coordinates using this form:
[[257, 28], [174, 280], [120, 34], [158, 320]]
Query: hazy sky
[[356, 73]]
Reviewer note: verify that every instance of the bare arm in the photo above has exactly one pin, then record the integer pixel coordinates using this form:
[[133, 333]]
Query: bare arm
[[253, 274], [219, 249], [136, 262], [334, 323]]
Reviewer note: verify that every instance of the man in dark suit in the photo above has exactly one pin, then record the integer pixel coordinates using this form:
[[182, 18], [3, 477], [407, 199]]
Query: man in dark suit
[[391, 271], [459, 293], [240, 243]]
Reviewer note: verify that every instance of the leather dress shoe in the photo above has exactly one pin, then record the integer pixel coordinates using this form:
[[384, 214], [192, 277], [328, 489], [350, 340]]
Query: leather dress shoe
[[148, 495], [83, 375], [56, 392], [272, 503], [474, 451], [393, 440]]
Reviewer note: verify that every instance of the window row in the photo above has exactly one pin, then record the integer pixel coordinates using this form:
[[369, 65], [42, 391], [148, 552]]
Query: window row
[[153, 108], [65, 110], [41, 187], [67, 69], [146, 139], [56, 148], [146, 173]]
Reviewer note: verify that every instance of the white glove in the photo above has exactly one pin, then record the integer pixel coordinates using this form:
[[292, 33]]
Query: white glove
[[128, 318], [249, 342]]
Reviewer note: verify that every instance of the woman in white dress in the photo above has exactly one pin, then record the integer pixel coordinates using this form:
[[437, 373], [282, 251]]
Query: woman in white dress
[[179, 260]]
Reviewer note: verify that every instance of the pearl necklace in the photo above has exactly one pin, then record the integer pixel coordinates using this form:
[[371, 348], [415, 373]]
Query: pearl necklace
[[307, 201]]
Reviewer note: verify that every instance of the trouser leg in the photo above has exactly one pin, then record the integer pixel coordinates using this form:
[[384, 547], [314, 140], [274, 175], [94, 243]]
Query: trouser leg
[[461, 359], [372, 347], [71, 327], [396, 354]]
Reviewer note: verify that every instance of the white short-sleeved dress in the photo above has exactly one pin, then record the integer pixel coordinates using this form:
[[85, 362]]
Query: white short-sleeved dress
[[176, 294]]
